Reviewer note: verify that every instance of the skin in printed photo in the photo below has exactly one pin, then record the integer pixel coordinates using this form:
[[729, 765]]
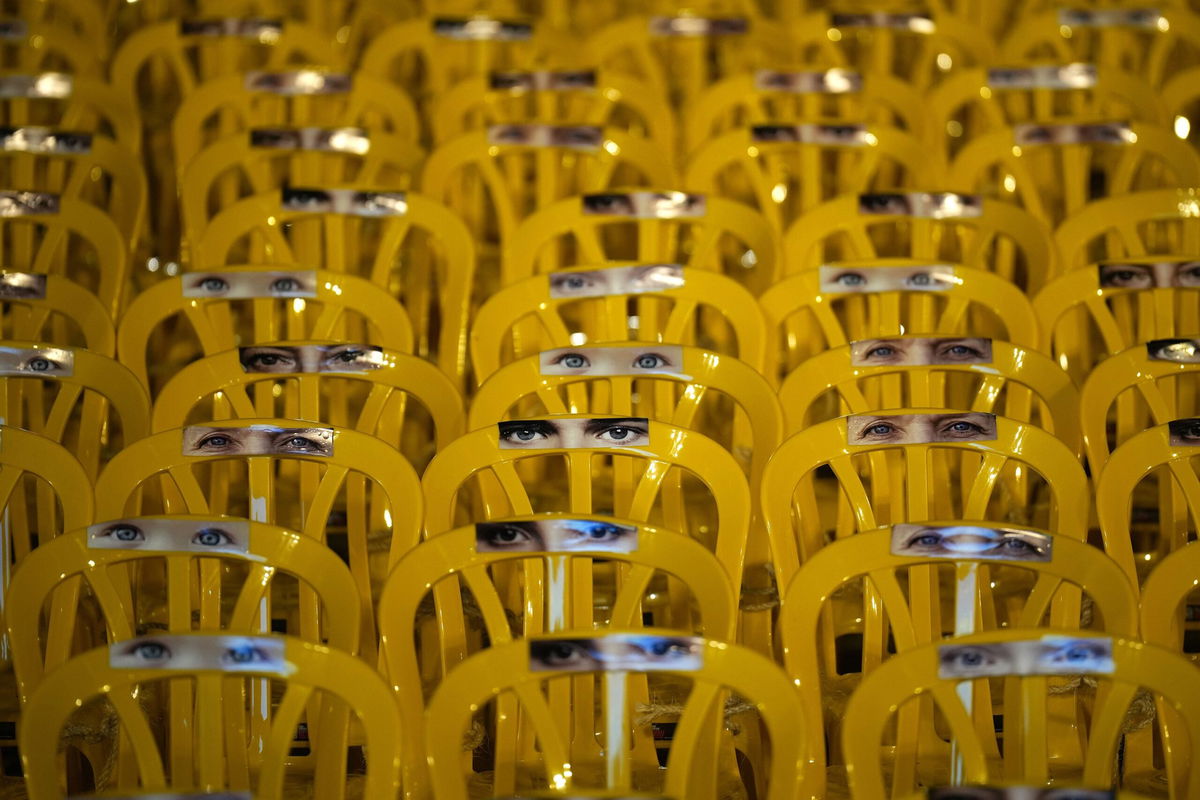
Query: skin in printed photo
[[31, 139], [543, 81], [1049, 655], [1095, 133], [287, 359], [1017, 793], [40, 361], [333, 140], [266, 31], [646, 205], [349, 202], [625, 652], [1109, 17], [965, 426], [697, 26], [257, 440], [479, 29], [172, 535], [24, 204], [1181, 274], [249, 284], [298, 82], [808, 133], [605, 361], [616, 280], [573, 137], [832, 81], [970, 541], [1068, 76], [22, 286], [257, 654], [921, 351], [917, 23], [53, 85], [555, 535], [919, 278], [184, 796], [566, 433], [1184, 432], [923, 205], [1181, 351]]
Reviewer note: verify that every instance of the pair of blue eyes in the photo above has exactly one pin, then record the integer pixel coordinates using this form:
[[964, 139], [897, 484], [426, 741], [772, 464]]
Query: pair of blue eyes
[[209, 537]]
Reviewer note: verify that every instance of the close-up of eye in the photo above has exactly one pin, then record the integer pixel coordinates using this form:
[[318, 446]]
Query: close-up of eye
[[623, 432], [883, 204], [268, 359], [882, 352], [509, 536], [1188, 274], [562, 654], [616, 204], [150, 651], [1081, 654], [851, 279], [217, 442], [959, 352], [212, 537], [289, 442], [40, 363], [350, 356], [212, 284], [961, 429], [924, 540], [597, 533], [301, 199], [527, 433], [650, 361], [573, 281], [1017, 545], [1187, 430], [967, 659], [880, 430], [286, 285], [1126, 276], [244, 654], [123, 532], [573, 361], [919, 279]]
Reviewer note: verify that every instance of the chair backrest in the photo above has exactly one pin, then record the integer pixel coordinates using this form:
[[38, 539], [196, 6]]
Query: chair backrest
[[1137, 224], [50, 46], [207, 747], [54, 308], [1165, 593], [72, 102]]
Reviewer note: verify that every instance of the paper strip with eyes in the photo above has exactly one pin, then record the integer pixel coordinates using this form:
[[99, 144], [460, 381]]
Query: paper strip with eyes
[[1180, 274], [1184, 432], [920, 351], [257, 440], [616, 280], [332, 140], [1181, 351], [13, 29], [31, 139], [698, 26], [646, 205], [479, 29], [287, 359], [924, 205], [918, 278], [1049, 655], [1068, 76], [264, 30], [349, 202], [1110, 17], [611, 361], [554, 433], [172, 535], [26, 204], [52, 85], [970, 541], [917, 23], [1017, 793], [543, 81], [573, 137], [183, 796], [188, 653], [555, 535], [624, 652], [963, 426], [25, 362], [1097, 133], [828, 135], [22, 286], [298, 82], [246, 285], [833, 81]]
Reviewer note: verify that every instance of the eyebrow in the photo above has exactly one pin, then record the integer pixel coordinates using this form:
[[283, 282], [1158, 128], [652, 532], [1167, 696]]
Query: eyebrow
[[539, 425]]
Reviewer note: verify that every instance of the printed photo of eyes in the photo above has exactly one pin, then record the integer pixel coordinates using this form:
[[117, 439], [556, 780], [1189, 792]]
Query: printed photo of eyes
[[833, 81], [31, 139], [287, 359], [602, 361], [479, 29], [13, 29], [47, 85], [1184, 432], [172, 535], [257, 440], [967, 426], [923, 205], [1049, 655], [45, 361], [920, 351], [573, 137], [828, 135], [22, 286], [265, 30], [337, 140], [1181, 351], [1109, 17], [184, 652], [917, 23], [555, 433], [249, 284], [924, 278], [970, 541], [1097, 133], [697, 26], [555, 535], [616, 280], [1068, 76], [24, 204], [1159, 275], [646, 205], [625, 652], [298, 82], [543, 81], [1017, 793], [349, 202]]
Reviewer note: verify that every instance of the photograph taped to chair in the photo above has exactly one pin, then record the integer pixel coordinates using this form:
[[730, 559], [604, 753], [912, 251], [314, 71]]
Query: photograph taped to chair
[[223, 795], [1046, 76], [572, 137], [646, 205], [917, 23], [698, 26], [555, 535], [970, 541], [333, 140], [244, 285], [172, 535], [1179, 274], [925, 205], [963, 426], [47, 85], [22, 286], [572, 434], [36, 361], [298, 82], [831, 81], [347, 202], [188, 653], [25, 204], [257, 440], [285, 359], [623, 652], [1110, 18], [1184, 432], [812, 133], [480, 29], [616, 280], [1181, 351], [33, 139], [543, 80], [13, 29], [265, 30], [607, 361], [1017, 793], [1048, 655], [920, 351], [917, 278], [1030, 133]]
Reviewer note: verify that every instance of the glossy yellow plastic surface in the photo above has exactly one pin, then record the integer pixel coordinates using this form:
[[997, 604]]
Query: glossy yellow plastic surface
[[91, 105], [69, 315], [1123, 222]]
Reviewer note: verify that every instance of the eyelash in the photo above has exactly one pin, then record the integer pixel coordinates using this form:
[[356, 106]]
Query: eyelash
[[287, 442]]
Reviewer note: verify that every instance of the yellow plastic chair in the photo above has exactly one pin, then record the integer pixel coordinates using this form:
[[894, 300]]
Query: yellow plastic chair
[[88, 19], [989, 234], [1026, 756], [912, 617], [425, 257], [42, 46], [882, 483], [1136, 224], [814, 319], [693, 768], [285, 304], [71, 102], [1055, 181], [205, 750], [52, 308]]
